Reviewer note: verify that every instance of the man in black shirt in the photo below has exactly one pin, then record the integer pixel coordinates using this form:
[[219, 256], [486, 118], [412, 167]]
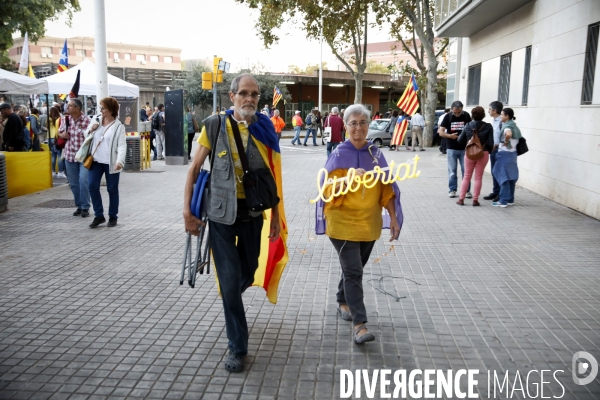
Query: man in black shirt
[[450, 128], [13, 139]]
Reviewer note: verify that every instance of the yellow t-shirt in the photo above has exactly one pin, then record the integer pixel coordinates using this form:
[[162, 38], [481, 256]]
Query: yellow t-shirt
[[54, 128], [356, 216], [203, 140]]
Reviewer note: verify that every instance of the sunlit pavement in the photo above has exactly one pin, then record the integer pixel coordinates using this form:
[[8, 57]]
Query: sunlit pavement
[[100, 313]]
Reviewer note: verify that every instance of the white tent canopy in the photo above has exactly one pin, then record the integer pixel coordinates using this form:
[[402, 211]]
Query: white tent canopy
[[63, 82], [20, 84]]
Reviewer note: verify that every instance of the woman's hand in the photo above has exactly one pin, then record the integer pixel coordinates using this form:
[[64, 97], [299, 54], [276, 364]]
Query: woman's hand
[[394, 229], [118, 167], [192, 224], [94, 127], [360, 172]]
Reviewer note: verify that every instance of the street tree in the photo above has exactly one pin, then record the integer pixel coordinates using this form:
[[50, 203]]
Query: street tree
[[343, 25], [309, 70], [409, 20], [30, 16]]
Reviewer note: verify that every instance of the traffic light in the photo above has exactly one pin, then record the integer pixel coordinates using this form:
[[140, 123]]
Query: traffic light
[[216, 62], [207, 80], [219, 76]]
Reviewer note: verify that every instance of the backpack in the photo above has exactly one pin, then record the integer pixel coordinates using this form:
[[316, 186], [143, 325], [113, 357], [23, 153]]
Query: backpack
[[156, 121], [308, 120], [474, 149]]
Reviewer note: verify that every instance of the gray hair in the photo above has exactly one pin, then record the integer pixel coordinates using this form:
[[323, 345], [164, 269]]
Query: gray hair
[[276, 112], [77, 102], [335, 110], [357, 109], [235, 84]]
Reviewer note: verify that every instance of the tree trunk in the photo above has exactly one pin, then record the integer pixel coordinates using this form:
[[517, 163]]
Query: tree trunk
[[431, 98], [358, 80]]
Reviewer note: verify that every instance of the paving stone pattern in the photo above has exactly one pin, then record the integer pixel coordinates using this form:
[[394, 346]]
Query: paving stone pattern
[[94, 314]]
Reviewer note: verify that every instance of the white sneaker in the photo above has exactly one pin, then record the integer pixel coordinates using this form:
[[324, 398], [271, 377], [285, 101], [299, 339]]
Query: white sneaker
[[469, 195], [61, 175], [510, 204], [452, 194]]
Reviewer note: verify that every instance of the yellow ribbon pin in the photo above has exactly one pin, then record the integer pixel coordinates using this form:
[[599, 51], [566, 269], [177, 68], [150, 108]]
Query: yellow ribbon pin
[[221, 154]]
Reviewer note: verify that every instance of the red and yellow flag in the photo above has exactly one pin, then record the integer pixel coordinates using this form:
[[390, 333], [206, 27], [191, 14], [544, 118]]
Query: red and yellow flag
[[409, 102]]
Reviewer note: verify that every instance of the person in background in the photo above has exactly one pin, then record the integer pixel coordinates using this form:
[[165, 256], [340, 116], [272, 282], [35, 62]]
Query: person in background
[[77, 174], [159, 121], [443, 144], [311, 127], [450, 128], [13, 135], [485, 133], [417, 123], [34, 122], [376, 116], [388, 113], [108, 148], [506, 170], [392, 126], [297, 124], [495, 110], [278, 123], [149, 115], [26, 132], [56, 152], [323, 136], [337, 130], [143, 115], [43, 128], [319, 121]]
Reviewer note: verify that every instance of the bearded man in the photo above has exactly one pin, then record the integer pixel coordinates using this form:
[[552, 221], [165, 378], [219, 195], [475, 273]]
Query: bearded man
[[236, 233]]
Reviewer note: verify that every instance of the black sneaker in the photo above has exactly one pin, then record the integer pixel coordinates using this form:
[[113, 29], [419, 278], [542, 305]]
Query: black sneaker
[[490, 196], [85, 213], [77, 213], [97, 221], [112, 222]]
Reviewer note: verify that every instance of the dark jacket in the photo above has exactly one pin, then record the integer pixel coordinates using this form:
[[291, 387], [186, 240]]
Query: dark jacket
[[485, 133], [13, 133], [143, 115]]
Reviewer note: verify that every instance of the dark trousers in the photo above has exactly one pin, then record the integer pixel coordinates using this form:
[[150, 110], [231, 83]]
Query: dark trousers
[[493, 155], [353, 258], [152, 147], [235, 265], [190, 139], [331, 147], [112, 185]]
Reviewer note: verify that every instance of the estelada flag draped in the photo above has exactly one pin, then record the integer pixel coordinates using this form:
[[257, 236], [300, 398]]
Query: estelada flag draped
[[409, 103], [75, 90], [63, 63], [273, 255], [276, 96]]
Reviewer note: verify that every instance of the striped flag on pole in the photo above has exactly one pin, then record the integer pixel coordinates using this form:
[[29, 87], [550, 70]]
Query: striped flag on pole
[[409, 102], [276, 96], [400, 131], [63, 64]]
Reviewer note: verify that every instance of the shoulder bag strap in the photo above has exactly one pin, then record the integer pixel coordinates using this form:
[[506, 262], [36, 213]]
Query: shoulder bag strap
[[239, 144], [214, 145], [102, 138]]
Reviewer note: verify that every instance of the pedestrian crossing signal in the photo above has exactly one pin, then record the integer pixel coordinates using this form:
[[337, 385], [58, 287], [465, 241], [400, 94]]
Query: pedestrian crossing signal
[[207, 81]]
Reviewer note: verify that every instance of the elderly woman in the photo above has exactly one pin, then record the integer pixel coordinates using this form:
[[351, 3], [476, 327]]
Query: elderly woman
[[485, 133], [505, 169], [353, 221], [108, 149]]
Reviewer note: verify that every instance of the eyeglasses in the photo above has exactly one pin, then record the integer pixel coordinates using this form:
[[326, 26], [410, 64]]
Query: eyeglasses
[[253, 95], [355, 124], [102, 108]]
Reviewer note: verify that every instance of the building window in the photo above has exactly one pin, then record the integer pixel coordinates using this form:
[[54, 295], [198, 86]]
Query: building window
[[47, 51], [589, 69], [116, 56], [140, 57], [127, 56], [526, 75], [20, 50], [153, 58], [168, 60], [80, 53], [474, 85], [504, 80]]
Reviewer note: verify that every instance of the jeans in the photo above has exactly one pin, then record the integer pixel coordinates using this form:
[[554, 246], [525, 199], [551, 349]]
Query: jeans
[[496, 190], [77, 175], [331, 147], [455, 156], [314, 133], [56, 154], [297, 135], [112, 185], [160, 143], [235, 264], [353, 258], [507, 192], [478, 166]]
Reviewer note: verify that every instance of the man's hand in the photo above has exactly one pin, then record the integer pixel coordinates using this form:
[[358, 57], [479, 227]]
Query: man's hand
[[275, 225], [64, 135], [192, 224]]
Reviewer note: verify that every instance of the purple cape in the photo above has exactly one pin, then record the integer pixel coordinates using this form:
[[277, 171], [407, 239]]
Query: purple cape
[[346, 156]]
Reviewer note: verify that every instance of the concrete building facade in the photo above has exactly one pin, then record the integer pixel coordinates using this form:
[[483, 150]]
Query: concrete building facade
[[539, 58]]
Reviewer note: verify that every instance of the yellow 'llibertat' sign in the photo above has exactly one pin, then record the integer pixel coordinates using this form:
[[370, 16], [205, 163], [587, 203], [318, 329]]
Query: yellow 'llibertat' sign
[[390, 174]]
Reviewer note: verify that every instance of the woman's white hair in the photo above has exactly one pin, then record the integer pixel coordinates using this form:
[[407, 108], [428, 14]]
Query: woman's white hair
[[357, 109]]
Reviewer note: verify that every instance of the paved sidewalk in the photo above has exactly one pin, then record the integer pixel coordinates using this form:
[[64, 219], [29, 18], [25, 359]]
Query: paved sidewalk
[[94, 314]]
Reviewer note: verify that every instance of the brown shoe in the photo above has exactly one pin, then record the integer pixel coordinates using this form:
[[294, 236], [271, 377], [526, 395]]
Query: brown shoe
[[476, 203], [460, 202]]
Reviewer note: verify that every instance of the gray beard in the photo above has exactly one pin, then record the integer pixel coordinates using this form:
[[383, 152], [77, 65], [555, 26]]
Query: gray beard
[[246, 111]]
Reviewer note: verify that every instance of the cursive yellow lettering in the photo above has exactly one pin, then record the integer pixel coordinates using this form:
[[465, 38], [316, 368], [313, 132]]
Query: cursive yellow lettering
[[406, 173], [321, 177], [367, 178], [390, 175], [415, 173]]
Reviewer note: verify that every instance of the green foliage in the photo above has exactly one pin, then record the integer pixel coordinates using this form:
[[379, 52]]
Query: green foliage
[[7, 63], [192, 84], [30, 16], [309, 70], [373, 67]]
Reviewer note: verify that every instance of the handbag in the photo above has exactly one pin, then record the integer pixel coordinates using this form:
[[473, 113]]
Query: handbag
[[60, 142], [259, 185], [89, 160], [474, 149], [522, 146]]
